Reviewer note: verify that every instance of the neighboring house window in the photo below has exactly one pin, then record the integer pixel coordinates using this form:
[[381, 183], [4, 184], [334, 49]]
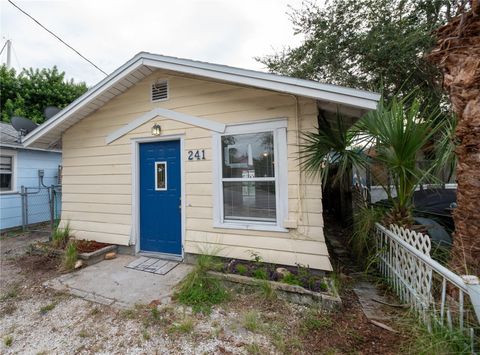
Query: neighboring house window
[[252, 184], [7, 176]]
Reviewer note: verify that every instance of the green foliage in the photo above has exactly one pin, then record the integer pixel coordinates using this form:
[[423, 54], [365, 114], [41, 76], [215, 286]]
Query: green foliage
[[61, 236], [251, 321], [70, 256], [291, 279], [199, 289], [47, 308], [8, 340], [361, 241], [241, 269], [185, 327], [367, 44], [260, 274], [28, 93], [314, 320]]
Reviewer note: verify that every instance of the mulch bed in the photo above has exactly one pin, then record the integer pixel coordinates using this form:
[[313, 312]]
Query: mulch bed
[[88, 246]]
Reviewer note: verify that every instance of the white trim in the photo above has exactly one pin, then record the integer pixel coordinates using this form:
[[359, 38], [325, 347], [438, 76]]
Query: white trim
[[305, 88], [174, 115], [14, 173], [156, 176], [135, 234], [278, 127], [15, 146]]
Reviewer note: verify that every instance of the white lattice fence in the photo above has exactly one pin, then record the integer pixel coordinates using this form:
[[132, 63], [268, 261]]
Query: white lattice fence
[[404, 260]]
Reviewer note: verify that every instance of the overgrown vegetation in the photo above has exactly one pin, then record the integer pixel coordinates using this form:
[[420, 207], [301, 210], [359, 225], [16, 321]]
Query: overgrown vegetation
[[70, 257], [199, 289], [60, 236]]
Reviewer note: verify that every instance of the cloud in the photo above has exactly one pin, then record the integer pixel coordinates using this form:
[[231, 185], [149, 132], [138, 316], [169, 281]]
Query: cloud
[[110, 32]]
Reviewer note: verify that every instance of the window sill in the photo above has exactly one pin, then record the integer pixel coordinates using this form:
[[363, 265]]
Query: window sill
[[250, 226]]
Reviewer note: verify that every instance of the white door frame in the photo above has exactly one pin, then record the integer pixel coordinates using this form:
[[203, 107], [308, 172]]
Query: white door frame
[[135, 233]]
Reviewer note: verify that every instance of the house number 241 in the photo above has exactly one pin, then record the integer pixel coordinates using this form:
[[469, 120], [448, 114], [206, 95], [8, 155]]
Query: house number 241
[[196, 154]]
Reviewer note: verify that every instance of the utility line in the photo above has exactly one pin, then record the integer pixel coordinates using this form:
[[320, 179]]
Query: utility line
[[57, 37]]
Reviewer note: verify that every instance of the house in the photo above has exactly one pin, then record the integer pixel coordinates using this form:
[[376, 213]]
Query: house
[[29, 167], [172, 157]]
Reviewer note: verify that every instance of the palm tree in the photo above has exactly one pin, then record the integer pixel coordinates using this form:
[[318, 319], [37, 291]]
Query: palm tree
[[457, 53]]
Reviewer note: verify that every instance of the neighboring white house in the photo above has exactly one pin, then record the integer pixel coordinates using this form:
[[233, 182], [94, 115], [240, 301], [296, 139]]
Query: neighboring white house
[[20, 166], [174, 156]]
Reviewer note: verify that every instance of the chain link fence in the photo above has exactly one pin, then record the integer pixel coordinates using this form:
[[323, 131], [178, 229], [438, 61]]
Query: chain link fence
[[41, 207]]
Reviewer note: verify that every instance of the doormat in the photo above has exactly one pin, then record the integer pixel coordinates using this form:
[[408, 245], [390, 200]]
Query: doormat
[[153, 265]]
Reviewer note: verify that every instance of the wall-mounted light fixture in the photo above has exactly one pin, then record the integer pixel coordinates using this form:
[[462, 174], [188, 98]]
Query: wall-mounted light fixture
[[156, 129]]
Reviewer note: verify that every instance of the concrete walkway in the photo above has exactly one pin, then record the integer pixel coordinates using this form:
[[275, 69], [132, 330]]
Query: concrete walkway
[[110, 282]]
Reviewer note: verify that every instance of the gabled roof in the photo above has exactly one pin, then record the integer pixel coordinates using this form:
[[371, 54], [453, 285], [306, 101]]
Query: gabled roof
[[144, 64]]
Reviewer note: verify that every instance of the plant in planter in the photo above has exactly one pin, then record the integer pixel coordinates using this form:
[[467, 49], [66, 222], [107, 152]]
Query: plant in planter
[[70, 257]]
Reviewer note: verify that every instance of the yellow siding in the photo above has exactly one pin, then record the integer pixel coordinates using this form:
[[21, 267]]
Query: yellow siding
[[97, 192]]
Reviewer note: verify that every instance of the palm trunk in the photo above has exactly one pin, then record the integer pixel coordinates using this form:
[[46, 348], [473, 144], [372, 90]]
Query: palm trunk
[[458, 55]]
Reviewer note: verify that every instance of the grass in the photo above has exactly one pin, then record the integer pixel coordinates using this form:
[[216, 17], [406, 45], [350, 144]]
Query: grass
[[60, 236], [266, 290], [8, 340], [70, 256], [83, 334], [146, 335], [252, 321], [241, 269], [253, 348], [47, 308], [291, 279], [11, 293], [184, 327], [314, 320], [440, 340], [199, 289], [260, 274]]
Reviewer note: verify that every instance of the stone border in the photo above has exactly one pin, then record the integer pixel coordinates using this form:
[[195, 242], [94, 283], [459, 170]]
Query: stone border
[[292, 293], [97, 255]]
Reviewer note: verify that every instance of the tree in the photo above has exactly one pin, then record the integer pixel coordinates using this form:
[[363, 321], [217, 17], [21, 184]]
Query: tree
[[28, 93], [457, 54], [367, 44]]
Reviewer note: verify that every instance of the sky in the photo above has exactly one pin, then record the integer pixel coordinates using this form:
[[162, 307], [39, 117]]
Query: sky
[[109, 33]]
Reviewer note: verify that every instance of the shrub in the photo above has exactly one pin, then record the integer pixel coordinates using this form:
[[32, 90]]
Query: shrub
[[70, 256], [199, 289]]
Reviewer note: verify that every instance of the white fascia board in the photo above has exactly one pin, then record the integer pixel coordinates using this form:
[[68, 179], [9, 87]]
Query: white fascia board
[[174, 115], [273, 82], [84, 100]]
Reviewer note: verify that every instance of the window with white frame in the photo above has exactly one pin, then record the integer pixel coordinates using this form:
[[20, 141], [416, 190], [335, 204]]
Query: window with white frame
[[252, 176], [7, 182]]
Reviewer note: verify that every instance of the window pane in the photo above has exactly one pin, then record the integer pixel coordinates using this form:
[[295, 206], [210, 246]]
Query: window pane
[[248, 155], [5, 182], [161, 176], [5, 163], [249, 200]]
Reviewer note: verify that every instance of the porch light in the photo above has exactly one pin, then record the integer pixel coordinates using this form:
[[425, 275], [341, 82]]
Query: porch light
[[156, 129]]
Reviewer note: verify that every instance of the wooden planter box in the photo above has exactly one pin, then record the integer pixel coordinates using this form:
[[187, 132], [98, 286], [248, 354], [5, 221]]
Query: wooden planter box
[[292, 293]]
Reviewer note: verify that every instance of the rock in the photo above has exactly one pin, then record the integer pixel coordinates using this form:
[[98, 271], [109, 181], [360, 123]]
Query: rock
[[110, 256], [282, 271], [79, 264]]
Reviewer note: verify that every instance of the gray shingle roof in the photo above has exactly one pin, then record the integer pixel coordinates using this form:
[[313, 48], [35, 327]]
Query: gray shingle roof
[[8, 135]]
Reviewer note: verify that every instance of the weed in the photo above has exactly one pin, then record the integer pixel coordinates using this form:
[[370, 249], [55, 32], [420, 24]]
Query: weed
[[253, 348], [8, 340], [47, 308], [8, 309], [155, 313], [260, 274], [11, 293], [185, 327], [361, 241], [314, 320], [128, 313], [199, 289], [291, 279], [146, 335], [95, 311], [251, 321], [70, 256], [440, 340], [256, 258], [266, 290], [83, 334], [60, 236], [241, 269]]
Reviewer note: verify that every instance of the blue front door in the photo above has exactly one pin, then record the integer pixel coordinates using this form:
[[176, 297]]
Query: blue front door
[[160, 202]]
